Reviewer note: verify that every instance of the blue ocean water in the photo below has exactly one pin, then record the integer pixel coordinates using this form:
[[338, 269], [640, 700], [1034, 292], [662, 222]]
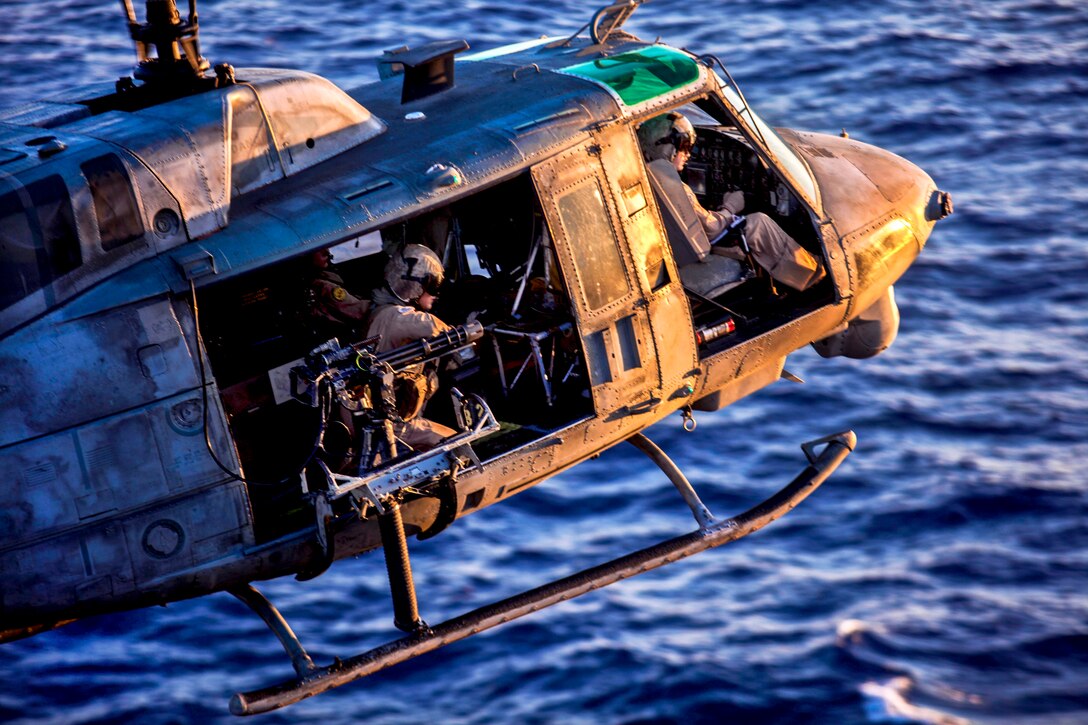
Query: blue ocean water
[[941, 576]]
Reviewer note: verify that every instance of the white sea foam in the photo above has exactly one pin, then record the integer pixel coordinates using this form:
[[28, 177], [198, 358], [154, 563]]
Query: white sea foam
[[887, 702]]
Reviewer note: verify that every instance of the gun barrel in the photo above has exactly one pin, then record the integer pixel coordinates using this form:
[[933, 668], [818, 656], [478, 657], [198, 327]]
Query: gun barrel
[[341, 365], [433, 347]]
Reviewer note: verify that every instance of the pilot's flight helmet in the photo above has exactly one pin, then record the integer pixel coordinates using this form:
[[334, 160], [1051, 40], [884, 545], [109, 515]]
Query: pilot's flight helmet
[[663, 136], [412, 270]]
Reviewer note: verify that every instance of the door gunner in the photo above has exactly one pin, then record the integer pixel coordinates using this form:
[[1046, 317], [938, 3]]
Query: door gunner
[[401, 314]]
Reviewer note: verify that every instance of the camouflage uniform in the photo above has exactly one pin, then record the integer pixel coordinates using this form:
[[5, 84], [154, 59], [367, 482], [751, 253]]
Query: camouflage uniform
[[399, 324], [333, 303]]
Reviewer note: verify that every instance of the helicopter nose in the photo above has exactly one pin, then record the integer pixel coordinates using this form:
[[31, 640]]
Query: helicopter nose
[[863, 186], [883, 205], [899, 222]]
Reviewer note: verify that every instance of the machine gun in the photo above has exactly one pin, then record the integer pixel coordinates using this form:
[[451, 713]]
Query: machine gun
[[366, 383], [344, 369]]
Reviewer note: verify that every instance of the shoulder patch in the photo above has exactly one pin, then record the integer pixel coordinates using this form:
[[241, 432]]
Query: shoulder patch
[[339, 294]]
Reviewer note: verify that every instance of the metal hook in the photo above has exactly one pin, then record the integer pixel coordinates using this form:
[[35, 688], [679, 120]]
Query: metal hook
[[690, 423], [531, 66]]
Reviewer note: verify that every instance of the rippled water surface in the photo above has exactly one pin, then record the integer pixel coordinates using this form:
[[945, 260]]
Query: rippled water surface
[[940, 576]]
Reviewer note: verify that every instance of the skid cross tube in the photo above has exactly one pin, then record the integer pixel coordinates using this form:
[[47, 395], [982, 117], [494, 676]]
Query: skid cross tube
[[267, 611], [722, 532], [702, 514]]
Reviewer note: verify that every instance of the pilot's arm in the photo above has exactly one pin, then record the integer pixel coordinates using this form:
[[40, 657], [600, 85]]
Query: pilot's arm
[[338, 302], [716, 222]]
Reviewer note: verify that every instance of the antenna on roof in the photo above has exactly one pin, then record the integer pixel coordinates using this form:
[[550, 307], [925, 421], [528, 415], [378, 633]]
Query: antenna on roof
[[607, 20]]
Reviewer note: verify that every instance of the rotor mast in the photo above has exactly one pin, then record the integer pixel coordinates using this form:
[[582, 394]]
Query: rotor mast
[[175, 42]]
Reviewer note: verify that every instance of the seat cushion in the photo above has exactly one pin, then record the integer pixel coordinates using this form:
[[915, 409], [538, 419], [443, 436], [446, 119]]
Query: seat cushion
[[713, 276]]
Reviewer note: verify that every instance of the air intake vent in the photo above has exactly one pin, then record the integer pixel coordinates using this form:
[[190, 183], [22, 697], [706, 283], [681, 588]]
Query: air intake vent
[[427, 70]]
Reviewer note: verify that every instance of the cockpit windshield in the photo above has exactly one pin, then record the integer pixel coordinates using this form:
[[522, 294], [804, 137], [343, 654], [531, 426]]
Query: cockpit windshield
[[793, 166]]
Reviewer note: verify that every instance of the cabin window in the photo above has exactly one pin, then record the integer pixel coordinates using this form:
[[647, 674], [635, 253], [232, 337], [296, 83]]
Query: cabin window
[[115, 205], [58, 228], [597, 347], [596, 252], [36, 247], [252, 161], [628, 343], [20, 271]]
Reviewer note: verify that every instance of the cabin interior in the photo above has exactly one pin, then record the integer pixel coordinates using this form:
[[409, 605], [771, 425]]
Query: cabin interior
[[500, 270], [528, 368]]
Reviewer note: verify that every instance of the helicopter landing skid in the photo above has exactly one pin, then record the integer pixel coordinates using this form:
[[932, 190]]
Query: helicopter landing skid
[[711, 533]]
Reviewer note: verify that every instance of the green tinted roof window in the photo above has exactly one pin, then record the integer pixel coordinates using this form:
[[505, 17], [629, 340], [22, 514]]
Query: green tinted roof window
[[641, 75]]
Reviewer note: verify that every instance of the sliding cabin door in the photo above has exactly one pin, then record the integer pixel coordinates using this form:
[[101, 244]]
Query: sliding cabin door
[[611, 250], [655, 272]]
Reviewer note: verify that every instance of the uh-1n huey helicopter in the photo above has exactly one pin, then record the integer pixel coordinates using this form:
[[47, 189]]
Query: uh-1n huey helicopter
[[176, 421]]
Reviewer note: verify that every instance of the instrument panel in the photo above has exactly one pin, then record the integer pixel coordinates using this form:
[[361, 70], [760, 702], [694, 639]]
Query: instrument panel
[[722, 161]]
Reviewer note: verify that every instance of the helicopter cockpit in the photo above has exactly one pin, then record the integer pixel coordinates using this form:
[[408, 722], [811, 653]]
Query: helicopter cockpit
[[741, 301]]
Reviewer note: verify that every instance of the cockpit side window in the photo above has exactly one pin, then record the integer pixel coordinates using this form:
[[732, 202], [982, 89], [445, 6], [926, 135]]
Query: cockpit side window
[[38, 241], [114, 202]]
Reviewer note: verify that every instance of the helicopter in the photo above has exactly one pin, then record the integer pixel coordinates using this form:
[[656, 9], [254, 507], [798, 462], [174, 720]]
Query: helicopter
[[173, 411]]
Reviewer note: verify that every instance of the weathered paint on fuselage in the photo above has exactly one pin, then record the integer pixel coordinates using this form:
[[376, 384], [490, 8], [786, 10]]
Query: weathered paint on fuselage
[[101, 443]]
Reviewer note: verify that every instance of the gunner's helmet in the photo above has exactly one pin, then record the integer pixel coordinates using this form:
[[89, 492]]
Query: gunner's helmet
[[412, 270], [663, 136]]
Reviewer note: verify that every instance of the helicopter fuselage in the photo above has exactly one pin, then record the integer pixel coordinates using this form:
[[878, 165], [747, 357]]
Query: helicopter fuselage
[[145, 463]]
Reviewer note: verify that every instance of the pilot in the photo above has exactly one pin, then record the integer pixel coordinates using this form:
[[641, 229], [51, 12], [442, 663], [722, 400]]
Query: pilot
[[332, 305], [402, 314], [670, 138]]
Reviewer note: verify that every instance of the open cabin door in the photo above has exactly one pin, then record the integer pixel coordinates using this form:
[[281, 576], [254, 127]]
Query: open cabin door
[[634, 323], [659, 283]]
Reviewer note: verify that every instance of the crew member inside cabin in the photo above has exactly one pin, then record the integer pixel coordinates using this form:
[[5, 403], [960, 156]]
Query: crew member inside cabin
[[401, 314], [333, 308], [667, 141]]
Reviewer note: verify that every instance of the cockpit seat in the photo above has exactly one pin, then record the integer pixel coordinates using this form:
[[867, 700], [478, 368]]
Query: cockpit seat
[[713, 276], [701, 272]]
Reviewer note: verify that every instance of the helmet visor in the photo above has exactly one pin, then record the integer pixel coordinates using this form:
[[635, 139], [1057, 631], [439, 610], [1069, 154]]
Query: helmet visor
[[681, 141], [431, 284]]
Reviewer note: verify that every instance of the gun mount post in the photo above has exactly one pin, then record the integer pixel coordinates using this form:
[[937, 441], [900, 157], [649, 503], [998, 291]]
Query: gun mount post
[[403, 590]]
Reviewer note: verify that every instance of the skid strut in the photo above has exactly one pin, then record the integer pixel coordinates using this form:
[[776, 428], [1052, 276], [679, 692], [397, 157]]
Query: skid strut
[[720, 532], [702, 514]]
